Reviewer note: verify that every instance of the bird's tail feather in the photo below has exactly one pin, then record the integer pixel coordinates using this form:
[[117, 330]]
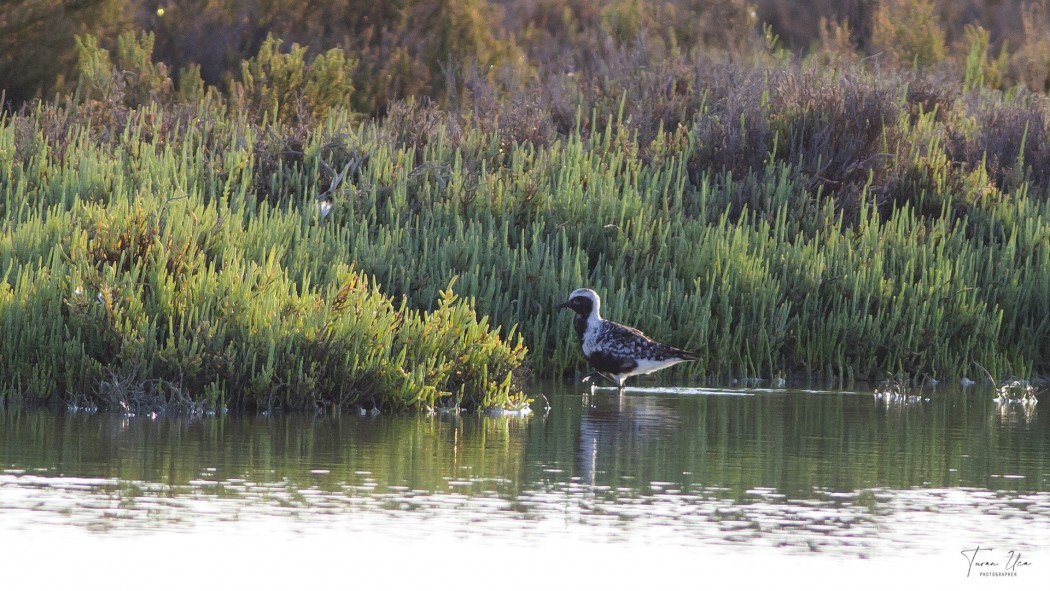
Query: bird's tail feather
[[687, 355]]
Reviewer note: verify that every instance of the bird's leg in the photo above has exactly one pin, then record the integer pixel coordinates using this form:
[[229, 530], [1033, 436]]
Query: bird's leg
[[591, 375]]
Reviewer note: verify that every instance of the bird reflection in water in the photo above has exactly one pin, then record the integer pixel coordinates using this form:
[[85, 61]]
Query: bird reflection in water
[[617, 427]]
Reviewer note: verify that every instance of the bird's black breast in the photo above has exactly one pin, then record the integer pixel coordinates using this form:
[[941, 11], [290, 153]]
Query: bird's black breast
[[580, 324], [606, 363]]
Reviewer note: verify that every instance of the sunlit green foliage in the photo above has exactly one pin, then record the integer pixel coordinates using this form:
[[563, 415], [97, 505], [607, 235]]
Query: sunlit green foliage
[[146, 273], [289, 86]]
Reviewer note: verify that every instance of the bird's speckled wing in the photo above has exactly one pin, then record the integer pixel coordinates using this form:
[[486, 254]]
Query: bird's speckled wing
[[621, 341]]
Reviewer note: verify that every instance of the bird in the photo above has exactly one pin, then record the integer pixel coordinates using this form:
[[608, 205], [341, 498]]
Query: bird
[[615, 351]]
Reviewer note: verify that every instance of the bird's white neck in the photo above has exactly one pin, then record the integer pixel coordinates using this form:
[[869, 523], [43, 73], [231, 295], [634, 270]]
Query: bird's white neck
[[591, 327]]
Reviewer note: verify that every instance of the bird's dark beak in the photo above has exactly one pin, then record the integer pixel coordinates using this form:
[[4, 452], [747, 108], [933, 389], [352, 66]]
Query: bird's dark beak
[[563, 305]]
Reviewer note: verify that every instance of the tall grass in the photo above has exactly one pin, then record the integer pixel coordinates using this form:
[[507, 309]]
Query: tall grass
[[781, 219], [145, 271]]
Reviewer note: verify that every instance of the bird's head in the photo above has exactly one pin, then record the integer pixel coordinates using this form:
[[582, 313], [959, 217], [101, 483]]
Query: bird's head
[[583, 301]]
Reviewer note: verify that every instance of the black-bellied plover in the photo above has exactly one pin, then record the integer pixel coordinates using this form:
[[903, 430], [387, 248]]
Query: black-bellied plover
[[615, 351]]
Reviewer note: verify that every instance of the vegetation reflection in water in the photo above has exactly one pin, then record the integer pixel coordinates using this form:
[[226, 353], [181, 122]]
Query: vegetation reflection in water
[[835, 472]]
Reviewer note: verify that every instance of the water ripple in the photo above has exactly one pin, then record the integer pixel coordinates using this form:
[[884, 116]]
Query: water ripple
[[843, 523]]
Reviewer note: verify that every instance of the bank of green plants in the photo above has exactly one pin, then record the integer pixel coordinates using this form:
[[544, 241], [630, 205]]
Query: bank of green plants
[[166, 242], [144, 269]]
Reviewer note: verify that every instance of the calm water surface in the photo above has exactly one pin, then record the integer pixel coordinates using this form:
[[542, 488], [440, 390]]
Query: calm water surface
[[706, 481]]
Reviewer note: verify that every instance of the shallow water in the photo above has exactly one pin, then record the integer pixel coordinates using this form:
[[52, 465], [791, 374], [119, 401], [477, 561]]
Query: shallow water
[[660, 480]]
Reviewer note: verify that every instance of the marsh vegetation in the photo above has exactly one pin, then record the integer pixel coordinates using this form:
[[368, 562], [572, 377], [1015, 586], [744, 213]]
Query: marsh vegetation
[[305, 228]]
